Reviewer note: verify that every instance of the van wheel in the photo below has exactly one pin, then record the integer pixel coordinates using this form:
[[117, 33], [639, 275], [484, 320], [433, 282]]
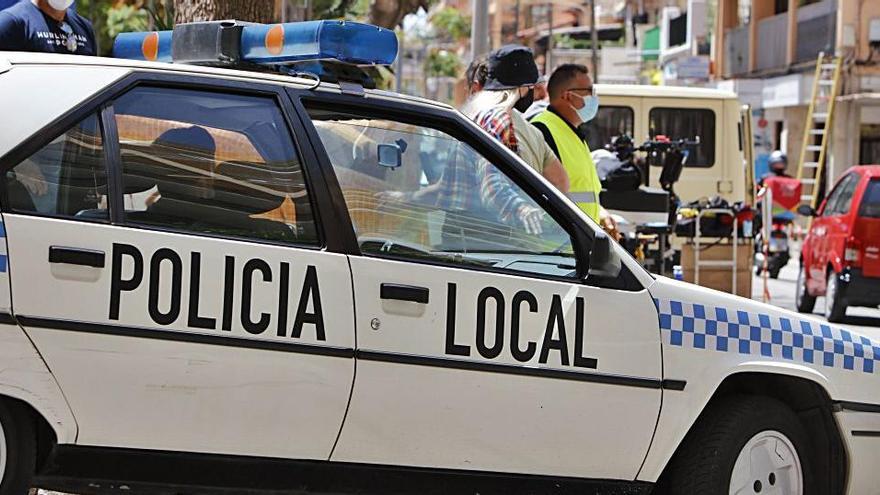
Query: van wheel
[[743, 444], [17, 449], [835, 306], [803, 301]]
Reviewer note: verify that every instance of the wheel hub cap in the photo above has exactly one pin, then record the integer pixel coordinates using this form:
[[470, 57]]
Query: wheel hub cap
[[830, 291], [3, 453], [768, 464]]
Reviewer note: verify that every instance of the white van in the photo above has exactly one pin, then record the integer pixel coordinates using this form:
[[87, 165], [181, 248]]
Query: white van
[[715, 167]]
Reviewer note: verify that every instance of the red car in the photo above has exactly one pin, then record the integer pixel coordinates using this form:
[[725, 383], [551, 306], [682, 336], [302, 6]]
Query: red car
[[840, 258]]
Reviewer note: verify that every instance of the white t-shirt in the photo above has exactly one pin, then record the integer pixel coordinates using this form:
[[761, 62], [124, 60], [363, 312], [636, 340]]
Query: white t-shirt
[[532, 147]]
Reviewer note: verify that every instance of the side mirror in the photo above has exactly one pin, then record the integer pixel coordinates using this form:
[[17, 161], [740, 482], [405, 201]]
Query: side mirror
[[390, 155], [806, 210], [603, 261]]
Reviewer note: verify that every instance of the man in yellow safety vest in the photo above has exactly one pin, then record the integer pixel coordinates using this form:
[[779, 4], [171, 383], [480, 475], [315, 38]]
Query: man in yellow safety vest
[[573, 102]]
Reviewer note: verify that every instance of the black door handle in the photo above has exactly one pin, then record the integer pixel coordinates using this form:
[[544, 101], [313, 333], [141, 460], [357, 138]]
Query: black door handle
[[76, 256], [404, 293]]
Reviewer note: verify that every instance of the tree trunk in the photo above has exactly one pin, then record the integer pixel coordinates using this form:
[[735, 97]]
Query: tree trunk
[[265, 11]]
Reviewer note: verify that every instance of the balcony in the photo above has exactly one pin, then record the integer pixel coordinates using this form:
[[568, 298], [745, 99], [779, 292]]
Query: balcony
[[772, 40], [817, 26], [736, 51]]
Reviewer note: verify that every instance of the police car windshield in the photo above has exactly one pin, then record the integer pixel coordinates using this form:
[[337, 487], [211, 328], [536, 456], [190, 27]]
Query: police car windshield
[[439, 199]]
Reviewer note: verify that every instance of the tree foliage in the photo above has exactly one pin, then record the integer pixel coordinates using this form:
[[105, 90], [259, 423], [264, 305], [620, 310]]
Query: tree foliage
[[451, 24], [442, 63]]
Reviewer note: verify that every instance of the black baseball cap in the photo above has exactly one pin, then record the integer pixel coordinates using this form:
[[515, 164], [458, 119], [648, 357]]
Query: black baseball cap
[[511, 66]]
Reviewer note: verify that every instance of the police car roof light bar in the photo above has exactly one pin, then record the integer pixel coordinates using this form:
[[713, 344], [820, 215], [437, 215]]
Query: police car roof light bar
[[152, 46], [231, 42]]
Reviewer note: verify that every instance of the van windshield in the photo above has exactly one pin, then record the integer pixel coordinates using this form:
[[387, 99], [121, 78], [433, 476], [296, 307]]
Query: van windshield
[[871, 200]]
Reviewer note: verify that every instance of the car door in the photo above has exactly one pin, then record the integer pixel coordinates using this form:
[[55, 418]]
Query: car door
[[479, 345], [818, 261], [867, 227], [836, 225], [186, 301]]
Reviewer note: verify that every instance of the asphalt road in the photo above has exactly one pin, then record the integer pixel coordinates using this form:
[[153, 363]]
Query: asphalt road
[[782, 292]]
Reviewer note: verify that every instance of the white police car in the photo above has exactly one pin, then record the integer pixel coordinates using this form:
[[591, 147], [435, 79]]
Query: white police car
[[224, 279]]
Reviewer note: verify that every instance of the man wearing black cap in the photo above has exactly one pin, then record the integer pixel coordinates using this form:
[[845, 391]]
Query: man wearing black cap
[[508, 90]]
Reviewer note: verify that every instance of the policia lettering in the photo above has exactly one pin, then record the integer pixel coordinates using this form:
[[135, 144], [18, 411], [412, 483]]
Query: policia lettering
[[490, 347], [253, 271]]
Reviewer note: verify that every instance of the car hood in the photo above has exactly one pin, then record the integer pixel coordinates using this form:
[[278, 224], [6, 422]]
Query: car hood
[[704, 329]]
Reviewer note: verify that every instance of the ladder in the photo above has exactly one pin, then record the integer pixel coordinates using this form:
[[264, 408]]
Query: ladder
[[818, 126]]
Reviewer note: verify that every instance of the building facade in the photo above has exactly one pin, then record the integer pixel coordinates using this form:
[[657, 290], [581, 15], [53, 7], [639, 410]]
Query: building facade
[[766, 51]]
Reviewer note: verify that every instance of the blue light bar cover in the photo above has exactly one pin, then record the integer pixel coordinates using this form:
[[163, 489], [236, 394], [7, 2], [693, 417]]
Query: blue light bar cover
[[350, 42], [153, 46]]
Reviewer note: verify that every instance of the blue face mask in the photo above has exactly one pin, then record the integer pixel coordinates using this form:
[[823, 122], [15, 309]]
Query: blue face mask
[[588, 111]]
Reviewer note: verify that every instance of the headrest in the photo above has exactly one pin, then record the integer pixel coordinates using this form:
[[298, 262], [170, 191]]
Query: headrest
[[250, 187]]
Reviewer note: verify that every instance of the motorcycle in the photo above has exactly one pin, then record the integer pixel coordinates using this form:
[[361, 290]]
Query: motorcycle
[[778, 254]]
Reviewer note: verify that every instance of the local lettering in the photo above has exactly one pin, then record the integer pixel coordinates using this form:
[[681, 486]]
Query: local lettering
[[490, 341], [166, 268]]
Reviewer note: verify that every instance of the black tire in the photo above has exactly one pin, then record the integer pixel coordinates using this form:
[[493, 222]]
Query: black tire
[[20, 446], [705, 461], [803, 301], [835, 302]]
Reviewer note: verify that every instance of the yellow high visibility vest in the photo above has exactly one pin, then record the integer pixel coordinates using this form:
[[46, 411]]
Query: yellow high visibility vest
[[584, 185]]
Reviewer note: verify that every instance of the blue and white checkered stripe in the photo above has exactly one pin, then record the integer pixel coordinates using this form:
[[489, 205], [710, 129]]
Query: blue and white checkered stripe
[[721, 329], [3, 257]]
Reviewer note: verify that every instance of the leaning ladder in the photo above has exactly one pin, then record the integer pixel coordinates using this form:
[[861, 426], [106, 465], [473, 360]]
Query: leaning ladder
[[818, 126]]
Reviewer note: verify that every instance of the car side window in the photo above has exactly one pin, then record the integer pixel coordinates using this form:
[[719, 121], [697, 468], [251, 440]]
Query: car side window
[[844, 202], [832, 204], [687, 123], [871, 200], [213, 163], [418, 193], [65, 178]]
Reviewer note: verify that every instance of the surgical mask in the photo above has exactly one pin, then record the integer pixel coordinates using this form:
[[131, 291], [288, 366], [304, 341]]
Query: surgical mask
[[525, 101], [590, 108], [60, 4]]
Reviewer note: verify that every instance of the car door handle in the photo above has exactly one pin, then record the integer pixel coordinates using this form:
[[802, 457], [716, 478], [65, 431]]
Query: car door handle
[[76, 256], [404, 293]]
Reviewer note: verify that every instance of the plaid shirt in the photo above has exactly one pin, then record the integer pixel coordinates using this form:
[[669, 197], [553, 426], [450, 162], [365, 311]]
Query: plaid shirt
[[497, 122], [472, 185]]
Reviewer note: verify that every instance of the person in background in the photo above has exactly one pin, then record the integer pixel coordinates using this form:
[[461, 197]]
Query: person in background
[[542, 99], [476, 75], [777, 162], [572, 102], [507, 90], [46, 26]]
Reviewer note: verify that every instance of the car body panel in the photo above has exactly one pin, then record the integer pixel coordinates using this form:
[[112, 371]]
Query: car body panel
[[825, 243], [23, 373], [33, 114], [709, 336]]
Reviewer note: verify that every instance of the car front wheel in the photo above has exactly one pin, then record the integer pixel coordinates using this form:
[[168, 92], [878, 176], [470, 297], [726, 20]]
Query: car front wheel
[[835, 306], [743, 444], [17, 450]]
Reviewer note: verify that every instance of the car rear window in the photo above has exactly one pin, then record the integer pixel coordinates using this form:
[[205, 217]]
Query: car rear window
[[871, 200]]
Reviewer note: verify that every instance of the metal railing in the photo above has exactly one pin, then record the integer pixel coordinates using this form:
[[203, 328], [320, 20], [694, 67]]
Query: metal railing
[[772, 40], [816, 30]]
